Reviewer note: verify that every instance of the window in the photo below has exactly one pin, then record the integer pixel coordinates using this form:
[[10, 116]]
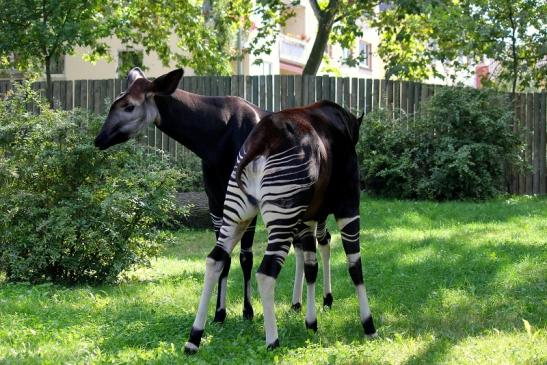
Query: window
[[57, 65], [264, 68], [365, 51], [129, 59], [346, 54]]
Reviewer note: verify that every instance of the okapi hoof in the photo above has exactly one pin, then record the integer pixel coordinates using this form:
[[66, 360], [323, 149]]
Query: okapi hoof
[[273, 345], [248, 313], [370, 330], [190, 348], [296, 307], [220, 316], [327, 301], [312, 326]]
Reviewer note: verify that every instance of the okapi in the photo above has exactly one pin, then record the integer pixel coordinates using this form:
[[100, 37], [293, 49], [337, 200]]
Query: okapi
[[214, 128], [296, 167]]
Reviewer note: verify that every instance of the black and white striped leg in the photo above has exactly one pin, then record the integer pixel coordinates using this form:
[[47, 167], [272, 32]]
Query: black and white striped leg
[[349, 228], [307, 237], [246, 261], [323, 239], [279, 242], [298, 276], [230, 233], [220, 311]]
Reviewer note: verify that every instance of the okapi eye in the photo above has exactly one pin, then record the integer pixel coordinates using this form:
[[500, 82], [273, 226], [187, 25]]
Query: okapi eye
[[129, 108]]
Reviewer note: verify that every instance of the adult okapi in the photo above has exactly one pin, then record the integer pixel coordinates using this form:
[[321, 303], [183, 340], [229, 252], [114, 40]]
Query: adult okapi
[[214, 128], [296, 167]]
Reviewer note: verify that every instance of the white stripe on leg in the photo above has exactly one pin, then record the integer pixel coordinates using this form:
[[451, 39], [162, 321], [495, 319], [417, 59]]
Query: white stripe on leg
[[325, 259], [298, 276], [266, 287], [212, 273]]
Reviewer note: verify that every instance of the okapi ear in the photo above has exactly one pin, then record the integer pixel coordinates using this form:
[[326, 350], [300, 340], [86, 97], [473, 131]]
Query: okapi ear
[[133, 74], [166, 84]]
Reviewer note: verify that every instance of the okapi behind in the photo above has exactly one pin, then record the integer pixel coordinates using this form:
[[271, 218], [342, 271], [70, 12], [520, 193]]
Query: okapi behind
[[296, 167]]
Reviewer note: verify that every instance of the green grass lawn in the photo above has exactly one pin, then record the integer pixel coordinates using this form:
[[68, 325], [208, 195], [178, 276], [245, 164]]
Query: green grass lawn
[[458, 283]]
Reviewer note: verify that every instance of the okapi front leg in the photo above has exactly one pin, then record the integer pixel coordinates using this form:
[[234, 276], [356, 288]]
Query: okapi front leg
[[323, 239], [349, 228], [220, 311]]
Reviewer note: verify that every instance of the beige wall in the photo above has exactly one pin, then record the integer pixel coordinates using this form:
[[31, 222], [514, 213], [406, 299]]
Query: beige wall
[[76, 68]]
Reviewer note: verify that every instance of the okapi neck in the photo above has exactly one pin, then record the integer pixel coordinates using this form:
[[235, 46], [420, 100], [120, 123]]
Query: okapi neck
[[191, 120]]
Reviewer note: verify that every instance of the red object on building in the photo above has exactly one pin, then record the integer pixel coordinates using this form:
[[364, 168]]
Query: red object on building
[[481, 72]]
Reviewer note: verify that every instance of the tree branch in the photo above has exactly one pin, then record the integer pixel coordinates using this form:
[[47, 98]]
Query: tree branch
[[316, 9]]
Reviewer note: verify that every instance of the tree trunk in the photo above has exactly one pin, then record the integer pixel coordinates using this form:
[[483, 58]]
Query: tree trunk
[[319, 45], [49, 85]]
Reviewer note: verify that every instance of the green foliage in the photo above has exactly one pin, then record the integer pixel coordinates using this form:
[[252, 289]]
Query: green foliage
[[191, 173], [36, 32], [420, 37], [204, 30], [69, 212], [457, 148], [448, 283]]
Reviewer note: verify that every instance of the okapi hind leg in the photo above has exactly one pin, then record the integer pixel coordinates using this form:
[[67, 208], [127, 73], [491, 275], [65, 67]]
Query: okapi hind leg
[[298, 276], [349, 228], [246, 261], [307, 237], [323, 239]]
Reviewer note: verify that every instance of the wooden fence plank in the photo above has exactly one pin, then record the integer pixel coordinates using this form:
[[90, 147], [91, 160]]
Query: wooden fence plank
[[325, 87], [368, 97], [248, 88], [269, 91], [522, 129], [284, 91], [290, 91], [69, 95], [233, 85], [318, 88], [346, 95], [340, 90], [543, 144], [383, 94], [256, 90], [311, 90], [536, 143], [277, 93], [298, 90], [389, 97], [262, 86], [529, 140], [354, 93], [361, 101]]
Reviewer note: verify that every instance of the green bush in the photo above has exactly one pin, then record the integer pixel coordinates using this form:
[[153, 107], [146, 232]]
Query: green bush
[[458, 147], [69, 212]]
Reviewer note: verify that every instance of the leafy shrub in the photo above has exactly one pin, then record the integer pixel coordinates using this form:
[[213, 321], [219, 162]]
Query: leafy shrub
[[457, 148], [69, 212]]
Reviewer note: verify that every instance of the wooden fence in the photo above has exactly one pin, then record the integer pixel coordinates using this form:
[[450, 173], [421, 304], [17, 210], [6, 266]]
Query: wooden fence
[[280, 92]]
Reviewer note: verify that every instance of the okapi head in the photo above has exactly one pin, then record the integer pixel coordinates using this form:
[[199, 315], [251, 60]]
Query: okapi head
[[135, 108]]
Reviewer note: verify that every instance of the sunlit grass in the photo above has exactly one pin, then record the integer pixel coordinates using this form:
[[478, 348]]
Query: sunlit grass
[[455, 283]]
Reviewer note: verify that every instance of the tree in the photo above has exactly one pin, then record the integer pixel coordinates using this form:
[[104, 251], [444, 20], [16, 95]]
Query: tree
[[204, 31], [36, 32], [461, 34]]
